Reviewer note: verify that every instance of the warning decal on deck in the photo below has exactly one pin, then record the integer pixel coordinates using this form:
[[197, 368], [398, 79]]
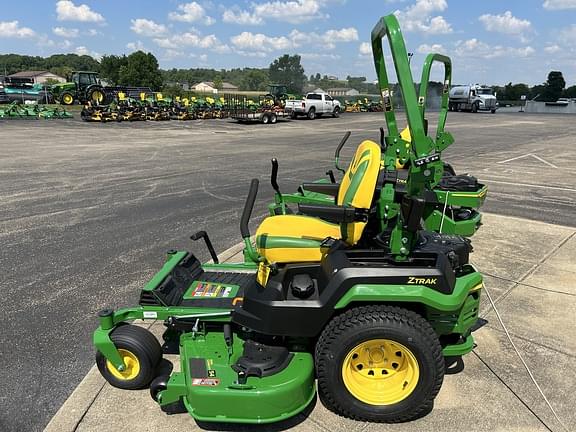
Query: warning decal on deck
[[203, 290], [211, 382]]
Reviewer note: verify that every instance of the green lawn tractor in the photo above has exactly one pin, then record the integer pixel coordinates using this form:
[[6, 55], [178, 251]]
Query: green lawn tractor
[[83, 87], [309, 309], [452, 201]]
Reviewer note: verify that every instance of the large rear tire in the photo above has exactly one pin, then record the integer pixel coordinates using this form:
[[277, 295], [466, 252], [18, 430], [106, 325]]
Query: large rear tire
[[96, 95], [312, 114], [141, 353], [379, 363]]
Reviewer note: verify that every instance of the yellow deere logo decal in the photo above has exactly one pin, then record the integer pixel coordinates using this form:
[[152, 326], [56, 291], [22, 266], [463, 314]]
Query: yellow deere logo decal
[[422, 281]]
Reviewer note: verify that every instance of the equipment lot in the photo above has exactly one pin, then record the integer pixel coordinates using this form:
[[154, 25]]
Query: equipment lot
[[88, 210]]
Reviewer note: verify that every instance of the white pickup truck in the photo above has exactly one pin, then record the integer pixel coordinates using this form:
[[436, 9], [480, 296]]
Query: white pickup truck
[[313, 105]]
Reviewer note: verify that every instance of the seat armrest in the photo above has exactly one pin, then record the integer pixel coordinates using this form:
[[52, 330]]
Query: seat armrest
[[323, 188], [336, 214]]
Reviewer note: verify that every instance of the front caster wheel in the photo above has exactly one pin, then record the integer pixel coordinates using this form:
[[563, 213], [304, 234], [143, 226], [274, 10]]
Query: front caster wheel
[[157, 385], [380, 364], [141, 353]]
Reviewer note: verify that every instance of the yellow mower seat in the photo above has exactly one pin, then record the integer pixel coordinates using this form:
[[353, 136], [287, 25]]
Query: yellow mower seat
[[297, 238], [287, 238]]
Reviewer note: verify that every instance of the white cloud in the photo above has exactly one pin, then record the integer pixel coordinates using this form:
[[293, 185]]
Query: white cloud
[[241, 17], [82, 50], [326, 40], [559, 4], [44, 41], [191, 12], [294, 12], [260, 42], [136, 46], [147, 27], [348, 34], [427, 49], [438, 25], [68, 11], [505, 23], [92, 32], [418, 17], [567, 35], [551, 49], [477, 49], [171, 54], [365, 49], [318, 56], [193, 39], [11, 29], [257, 54], [66, 32]]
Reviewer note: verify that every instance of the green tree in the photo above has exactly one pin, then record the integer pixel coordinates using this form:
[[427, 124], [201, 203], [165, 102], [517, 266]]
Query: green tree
[[218, 82], [255, 79], [553, 87], [110, 68], [536, 92], [141, 69], [357, 83], [288, 70], [172, 90], [570, 92]]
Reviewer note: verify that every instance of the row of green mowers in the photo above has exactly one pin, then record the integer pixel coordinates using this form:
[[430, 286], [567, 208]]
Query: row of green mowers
[[357, 295], [19, 111]]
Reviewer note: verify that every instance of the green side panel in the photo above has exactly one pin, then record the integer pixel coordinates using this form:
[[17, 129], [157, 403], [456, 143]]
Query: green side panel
[[433, 222], [462, 199], [243, 266], [413, 294], [173, 260], [217, 396], [458, 322]]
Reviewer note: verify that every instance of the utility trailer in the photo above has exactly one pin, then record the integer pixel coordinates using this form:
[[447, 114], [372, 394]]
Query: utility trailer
[[265, 111]]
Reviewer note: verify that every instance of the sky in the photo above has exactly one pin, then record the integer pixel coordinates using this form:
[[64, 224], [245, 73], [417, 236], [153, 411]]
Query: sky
[[490, 41]]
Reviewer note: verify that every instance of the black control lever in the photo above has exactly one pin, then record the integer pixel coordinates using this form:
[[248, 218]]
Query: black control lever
[[330, 174], [204, 235], [247, 212], [382, 142], [337, 152], [274, 176]]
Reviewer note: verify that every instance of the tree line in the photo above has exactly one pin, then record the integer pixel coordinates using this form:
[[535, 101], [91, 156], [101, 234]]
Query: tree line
[[549, 91], [142, 69]]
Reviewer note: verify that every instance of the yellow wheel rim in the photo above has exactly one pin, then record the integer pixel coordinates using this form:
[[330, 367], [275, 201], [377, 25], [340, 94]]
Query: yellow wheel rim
[[380, 372], [132, 366], [67, 99], [97, 96]]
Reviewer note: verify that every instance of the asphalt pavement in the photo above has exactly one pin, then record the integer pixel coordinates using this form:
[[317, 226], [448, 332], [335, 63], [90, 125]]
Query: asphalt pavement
[[88, 211]]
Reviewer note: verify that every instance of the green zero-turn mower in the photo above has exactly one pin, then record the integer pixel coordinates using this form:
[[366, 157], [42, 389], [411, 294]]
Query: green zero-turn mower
[[452, 201], [309, 308]]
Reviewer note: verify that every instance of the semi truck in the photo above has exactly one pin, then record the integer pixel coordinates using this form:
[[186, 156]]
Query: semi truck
[[472, 98]]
